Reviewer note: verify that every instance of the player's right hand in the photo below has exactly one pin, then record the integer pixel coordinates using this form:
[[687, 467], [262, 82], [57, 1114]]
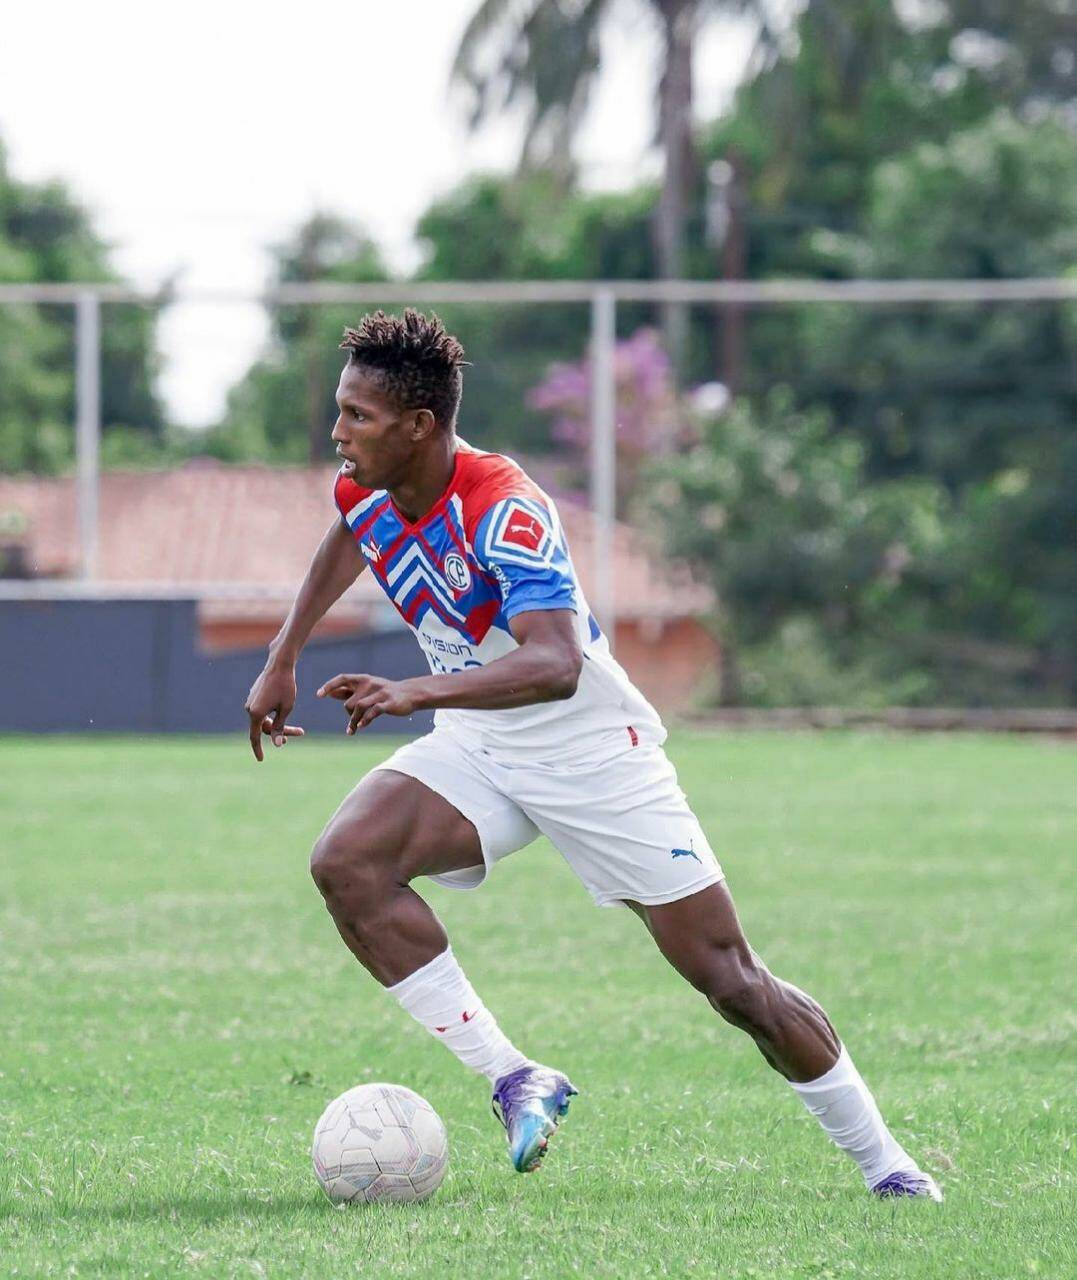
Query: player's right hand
[[269, 705]]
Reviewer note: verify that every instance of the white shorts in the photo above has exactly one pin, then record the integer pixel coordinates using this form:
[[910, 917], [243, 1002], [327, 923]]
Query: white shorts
[[622, 823]]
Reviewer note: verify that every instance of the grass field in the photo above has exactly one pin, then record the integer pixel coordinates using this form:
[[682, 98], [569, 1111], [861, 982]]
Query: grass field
[[177, 1009]]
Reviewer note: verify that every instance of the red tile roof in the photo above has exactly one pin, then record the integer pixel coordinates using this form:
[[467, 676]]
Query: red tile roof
[[207, 524]]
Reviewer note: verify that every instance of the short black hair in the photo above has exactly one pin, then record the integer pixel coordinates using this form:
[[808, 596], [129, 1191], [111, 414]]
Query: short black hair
[[418, 362]]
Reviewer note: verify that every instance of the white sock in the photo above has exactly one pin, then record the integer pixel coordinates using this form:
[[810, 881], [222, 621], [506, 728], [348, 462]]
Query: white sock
[[440, 997], [843, 1105]]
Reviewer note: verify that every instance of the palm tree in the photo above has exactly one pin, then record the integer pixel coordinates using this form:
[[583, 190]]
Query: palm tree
[[544, 54]]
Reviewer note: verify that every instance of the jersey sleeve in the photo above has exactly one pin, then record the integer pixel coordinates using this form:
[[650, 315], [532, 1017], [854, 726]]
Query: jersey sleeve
[[519, 541]]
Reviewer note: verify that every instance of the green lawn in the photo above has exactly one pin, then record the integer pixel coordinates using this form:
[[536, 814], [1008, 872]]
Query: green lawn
[[176, 1009]]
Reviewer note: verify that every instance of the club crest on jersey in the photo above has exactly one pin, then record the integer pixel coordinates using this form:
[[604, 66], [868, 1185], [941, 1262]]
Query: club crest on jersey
[[524, 529], [457, 574]]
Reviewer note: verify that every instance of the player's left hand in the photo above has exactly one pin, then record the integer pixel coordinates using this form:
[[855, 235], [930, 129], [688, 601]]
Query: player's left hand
[[367, 697]]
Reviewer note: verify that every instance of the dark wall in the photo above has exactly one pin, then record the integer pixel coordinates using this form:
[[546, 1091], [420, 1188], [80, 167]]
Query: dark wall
[[107, 665]]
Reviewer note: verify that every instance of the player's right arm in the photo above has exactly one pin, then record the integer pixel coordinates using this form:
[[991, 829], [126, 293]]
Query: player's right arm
[[335, 566]]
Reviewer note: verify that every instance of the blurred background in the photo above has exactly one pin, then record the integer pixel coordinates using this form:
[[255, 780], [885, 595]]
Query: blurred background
[[778, 300]]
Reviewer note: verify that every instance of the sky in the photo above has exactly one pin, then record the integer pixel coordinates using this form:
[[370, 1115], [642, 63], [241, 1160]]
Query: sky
[[200, 135]]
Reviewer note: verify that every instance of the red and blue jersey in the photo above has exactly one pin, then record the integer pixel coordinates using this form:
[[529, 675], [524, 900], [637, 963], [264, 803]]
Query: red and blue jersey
[[491, 547]]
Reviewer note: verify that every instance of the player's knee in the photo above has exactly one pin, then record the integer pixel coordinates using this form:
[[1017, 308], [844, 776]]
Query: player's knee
[[348, 870]]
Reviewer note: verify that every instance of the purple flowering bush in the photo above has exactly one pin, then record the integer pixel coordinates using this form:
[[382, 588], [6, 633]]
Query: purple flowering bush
[[651, 421]]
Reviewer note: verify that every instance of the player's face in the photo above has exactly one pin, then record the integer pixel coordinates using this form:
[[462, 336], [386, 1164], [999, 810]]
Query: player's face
[[375, 440]]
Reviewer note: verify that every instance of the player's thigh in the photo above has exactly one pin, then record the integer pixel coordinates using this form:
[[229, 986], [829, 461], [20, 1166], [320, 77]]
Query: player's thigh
[[444, 768], [700, 935], [396, 821], [624, 826]]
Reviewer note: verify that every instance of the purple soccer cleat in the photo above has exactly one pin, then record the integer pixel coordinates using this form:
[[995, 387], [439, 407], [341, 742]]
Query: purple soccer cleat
[[530, 1102], [912, 1183]]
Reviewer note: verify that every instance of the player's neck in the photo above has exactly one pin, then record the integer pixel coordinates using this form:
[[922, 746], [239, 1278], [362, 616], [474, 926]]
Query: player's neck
[[415, 495]]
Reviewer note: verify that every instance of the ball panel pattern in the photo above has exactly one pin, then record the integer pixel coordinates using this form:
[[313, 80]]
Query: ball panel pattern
[[379, 1142]]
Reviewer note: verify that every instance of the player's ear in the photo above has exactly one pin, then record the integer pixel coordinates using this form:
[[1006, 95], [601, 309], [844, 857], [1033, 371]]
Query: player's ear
[[424, 425]]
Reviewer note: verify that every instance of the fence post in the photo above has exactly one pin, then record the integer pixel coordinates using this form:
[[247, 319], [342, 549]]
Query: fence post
[[604, 455], [88, 426]]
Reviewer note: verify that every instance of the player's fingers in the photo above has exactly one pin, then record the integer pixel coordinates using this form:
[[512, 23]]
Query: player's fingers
[[276, 729], [272, 729], [365, 709], [256, 738], [339, 687], [371, 713], [357, 706]]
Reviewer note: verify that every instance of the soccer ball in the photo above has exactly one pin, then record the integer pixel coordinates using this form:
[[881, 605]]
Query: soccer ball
[[379, 1142]]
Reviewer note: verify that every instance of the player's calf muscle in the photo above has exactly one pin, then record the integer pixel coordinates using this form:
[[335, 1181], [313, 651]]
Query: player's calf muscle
[[790, 1029]]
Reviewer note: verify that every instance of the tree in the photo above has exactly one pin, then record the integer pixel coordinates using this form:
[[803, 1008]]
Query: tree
[[955, 390], [977, 403], [852, 85], [524, 227], [1024, 49], [47, 237], [282, 409], [856, 82], [983, 398], [806, 558], [545, 55], [650, 420]]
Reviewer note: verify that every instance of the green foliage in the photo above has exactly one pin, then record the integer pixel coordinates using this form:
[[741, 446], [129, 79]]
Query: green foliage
[[35, 427], [283, 407], [854, 86], [775, 509], [544, 55], [856, 82], [494, 227], [837, 587], [1002, 200], [958, 391], [800, 666], [1022, 49], [46, 237], [983, 398], [871, 148]]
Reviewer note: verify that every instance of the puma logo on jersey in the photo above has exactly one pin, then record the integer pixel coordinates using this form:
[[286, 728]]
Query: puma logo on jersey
[[371, 550], [523, 529]]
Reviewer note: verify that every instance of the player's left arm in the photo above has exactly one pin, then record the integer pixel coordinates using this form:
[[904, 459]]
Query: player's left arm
[[545, 667]]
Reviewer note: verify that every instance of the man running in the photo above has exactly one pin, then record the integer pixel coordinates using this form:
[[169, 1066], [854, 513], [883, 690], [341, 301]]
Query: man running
[[537, 730]]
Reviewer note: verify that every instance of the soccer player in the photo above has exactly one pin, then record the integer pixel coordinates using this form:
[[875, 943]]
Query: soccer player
[[537, 729]]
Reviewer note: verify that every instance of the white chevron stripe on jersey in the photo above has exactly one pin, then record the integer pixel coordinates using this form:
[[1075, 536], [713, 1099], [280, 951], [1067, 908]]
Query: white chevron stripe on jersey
[[413, 552], [423, 569], [355, 514], [422, 574]]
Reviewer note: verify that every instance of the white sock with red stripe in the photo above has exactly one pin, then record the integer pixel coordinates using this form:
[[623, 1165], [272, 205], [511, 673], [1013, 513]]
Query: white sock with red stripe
[[440, 997]]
